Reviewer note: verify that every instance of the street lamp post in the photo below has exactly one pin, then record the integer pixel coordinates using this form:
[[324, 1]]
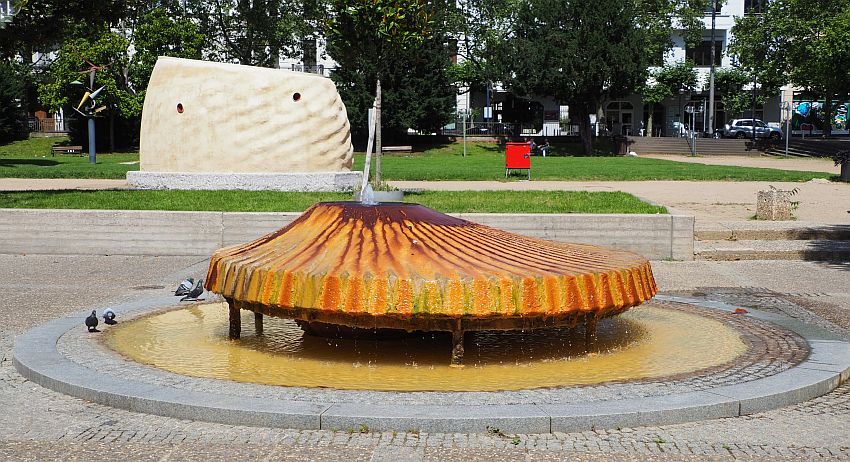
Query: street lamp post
[[753, 113], [711, 72]]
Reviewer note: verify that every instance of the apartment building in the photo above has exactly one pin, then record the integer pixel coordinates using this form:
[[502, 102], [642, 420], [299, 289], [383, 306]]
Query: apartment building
[[686, 111]]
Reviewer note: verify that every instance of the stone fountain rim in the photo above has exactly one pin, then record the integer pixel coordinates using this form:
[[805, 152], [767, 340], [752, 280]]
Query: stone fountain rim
[[37, 358]]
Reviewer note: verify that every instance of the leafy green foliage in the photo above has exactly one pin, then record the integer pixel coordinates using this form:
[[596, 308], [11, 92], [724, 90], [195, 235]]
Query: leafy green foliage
[[801, 41], [417, 90], [667, 81], [250, 32], [480, 25], [74, 60], [730, 83], [370, 36], [580, 52], [671, 79], [13, 120], [123, 74], [41, 24], [373, 30], [162, 34], [659, 19]]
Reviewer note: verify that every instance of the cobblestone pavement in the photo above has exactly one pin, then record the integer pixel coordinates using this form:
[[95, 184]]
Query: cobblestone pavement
[[38, 424]]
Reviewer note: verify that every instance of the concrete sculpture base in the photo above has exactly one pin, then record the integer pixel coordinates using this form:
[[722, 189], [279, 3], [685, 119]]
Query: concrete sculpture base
[[301, 182]]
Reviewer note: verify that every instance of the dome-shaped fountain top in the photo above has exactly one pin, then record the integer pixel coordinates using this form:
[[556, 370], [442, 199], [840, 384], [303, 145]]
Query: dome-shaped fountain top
[[344, 261]]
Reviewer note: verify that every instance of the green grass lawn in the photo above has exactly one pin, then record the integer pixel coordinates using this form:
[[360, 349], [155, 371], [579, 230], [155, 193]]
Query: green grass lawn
[[33, 159], [485, 161], [269, 201]]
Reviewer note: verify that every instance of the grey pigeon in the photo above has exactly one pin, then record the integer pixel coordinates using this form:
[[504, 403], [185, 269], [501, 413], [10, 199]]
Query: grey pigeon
[[185, 287], [109, 317], [195, 293], [91, 322]]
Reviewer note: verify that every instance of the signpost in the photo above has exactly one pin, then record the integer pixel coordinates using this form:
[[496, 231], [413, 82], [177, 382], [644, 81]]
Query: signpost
[[786, 113], [693, 110]]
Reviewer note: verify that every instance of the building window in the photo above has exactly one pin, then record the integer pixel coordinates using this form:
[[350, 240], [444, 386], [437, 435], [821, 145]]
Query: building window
[[717, 8], [754, 6], [701, 54]]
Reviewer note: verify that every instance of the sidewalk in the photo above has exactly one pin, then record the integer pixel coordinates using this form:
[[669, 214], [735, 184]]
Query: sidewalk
[[39, 184], [803, 164], [709, 201]]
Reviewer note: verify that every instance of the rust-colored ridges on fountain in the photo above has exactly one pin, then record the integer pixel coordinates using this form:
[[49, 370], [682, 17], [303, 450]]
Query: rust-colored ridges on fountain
[[408, 261]]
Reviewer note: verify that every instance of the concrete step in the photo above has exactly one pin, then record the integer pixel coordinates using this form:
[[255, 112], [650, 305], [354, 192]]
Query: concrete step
[[705, 146], [817, 250], [770, 230]]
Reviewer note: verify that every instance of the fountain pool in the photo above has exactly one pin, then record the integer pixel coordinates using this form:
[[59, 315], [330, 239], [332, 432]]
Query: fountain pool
[[649, 343]]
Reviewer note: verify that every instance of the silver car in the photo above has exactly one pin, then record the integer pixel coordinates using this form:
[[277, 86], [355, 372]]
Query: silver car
[[743, 128]]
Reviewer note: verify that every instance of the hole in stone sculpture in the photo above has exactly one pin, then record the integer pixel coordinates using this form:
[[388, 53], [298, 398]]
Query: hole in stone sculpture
[[179, 108], [296, 96]]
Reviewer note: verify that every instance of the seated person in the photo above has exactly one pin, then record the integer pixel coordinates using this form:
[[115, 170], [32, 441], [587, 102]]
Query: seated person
[[544, 148], [532, 145]]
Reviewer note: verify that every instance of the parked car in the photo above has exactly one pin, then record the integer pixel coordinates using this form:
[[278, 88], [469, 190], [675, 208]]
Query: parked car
[[743, 128]]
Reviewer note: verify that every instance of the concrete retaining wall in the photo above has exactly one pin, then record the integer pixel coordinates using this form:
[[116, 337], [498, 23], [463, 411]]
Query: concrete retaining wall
[[113, 232]]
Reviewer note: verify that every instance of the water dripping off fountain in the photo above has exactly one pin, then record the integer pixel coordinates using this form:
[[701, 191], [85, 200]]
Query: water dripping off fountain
[[366, 267]]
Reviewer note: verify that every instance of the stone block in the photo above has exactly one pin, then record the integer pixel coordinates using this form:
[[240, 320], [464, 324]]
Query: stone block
[[773, 204]]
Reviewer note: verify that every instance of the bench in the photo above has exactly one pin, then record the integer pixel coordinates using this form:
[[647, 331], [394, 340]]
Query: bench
[[66, 150], [396, 148]]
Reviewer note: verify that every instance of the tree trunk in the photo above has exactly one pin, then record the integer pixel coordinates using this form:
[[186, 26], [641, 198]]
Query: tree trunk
[[378, 134], [111, 132], [648, 131], [585, 130]]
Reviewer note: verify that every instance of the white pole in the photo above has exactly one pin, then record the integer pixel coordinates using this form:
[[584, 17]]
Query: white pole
[[464, 132], [368, 161], [786, 107]]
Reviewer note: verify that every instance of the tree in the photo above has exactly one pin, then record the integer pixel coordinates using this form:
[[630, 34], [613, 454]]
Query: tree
[[250, 32], [108, 51], [580, 52], [416, 90], [659, 20], [13, 120], [478, 25], [731, 83], [804, 42], [369, 34], [40, 25], [667, 81], [162, 34]]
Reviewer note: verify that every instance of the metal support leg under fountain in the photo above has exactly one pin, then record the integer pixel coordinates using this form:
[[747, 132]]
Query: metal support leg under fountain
[[235, 321], [457, 347], [589, 332], [258, 322]]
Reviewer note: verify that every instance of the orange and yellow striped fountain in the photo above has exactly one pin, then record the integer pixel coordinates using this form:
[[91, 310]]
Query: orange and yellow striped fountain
[[405, 266]]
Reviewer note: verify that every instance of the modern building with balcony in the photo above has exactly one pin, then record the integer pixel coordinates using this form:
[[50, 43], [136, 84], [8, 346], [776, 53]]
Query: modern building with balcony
[[495, 107]]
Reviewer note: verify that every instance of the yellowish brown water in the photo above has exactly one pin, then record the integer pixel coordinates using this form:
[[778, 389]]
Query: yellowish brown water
[[645, 342]]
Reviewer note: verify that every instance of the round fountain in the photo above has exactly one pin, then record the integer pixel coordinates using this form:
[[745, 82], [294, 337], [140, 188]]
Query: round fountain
[[345, 269], [350, 266]]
